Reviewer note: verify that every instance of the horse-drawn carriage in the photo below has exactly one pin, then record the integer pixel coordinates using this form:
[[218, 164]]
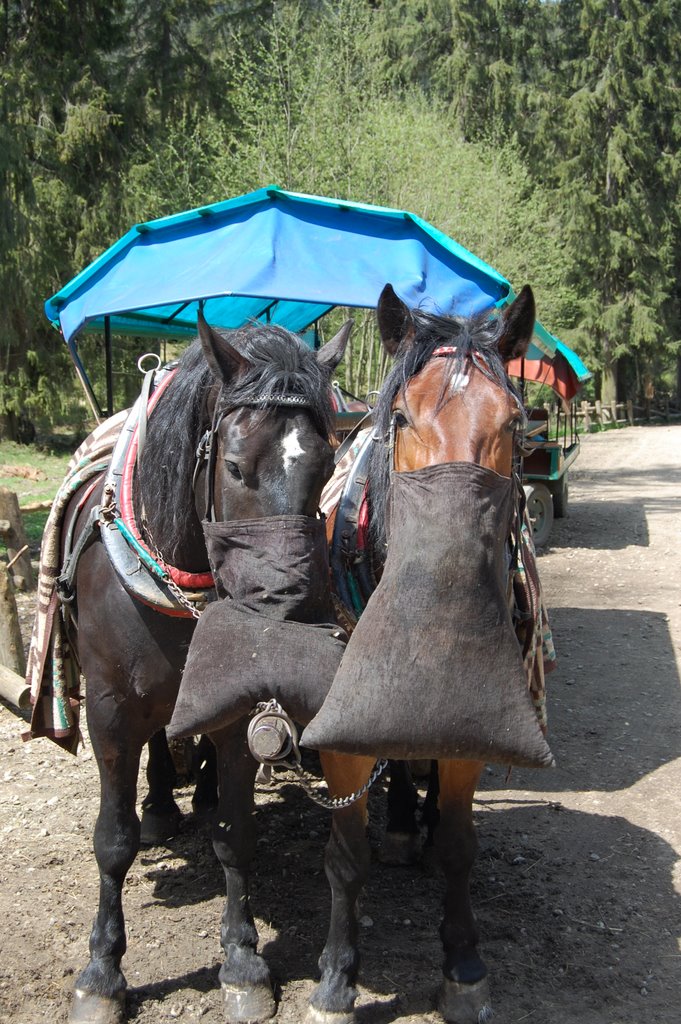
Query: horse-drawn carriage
[[222, 475], [554, 436]]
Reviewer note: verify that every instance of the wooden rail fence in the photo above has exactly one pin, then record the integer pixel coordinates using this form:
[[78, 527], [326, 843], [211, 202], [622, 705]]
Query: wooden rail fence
[[596, 415]]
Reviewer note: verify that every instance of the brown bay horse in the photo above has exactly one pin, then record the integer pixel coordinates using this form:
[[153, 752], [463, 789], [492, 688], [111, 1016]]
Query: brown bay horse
[[431, 411]]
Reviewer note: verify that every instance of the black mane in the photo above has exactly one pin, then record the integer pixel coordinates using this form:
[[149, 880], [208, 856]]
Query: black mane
[[477, 338], [280, 363]]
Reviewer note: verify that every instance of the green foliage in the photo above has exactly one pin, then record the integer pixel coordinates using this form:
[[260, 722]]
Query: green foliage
[[618, 175], [543, 136]]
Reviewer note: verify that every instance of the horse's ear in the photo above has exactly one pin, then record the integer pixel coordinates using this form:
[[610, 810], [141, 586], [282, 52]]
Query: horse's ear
[[330, 355], [518, 326], [224, 360], [395, 323]]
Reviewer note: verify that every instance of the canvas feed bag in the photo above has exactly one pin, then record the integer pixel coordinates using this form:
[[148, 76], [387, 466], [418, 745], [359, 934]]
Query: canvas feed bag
[[271, 633], [433, 668]]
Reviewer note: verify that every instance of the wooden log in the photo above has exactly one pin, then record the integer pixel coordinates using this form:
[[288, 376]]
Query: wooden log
[[36, 506], [11, 643], [13, 689], [15, 539]]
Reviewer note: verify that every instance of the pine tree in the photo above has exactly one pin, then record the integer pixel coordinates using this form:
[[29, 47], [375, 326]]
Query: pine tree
[[618, 174]]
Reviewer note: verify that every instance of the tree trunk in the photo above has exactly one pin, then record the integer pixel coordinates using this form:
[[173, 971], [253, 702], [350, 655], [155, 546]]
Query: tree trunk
[[608, 376], [11, 643], [14, 536], [16, 428]]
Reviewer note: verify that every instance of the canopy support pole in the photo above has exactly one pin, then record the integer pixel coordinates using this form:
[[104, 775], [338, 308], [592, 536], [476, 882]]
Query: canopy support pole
[[109, 370], [85, 381]]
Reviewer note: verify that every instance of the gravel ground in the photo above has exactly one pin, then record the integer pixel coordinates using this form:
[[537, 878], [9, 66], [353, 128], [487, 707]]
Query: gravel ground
[[577, 883]]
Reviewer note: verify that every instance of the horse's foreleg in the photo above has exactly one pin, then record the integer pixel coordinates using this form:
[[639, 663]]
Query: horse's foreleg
[[204, 765], [244, 975], [100, 990], [161, 816], [347, 864], [464, 997]]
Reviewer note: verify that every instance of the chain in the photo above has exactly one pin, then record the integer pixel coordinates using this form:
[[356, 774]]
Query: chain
[[170, 583], [330, 803], [179, 595], [337, 802]]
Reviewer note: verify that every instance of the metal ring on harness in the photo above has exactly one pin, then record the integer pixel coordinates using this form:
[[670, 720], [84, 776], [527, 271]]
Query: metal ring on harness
[[149, 355]]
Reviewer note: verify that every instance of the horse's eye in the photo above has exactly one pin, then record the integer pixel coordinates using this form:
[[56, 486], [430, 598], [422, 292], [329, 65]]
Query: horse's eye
[[400, 420], [233, 469]]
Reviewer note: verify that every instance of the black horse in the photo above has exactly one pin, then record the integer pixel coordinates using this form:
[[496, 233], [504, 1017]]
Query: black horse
[[270, 396]]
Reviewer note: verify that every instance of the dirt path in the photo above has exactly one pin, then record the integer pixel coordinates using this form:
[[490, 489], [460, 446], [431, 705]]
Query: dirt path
[[577, 883]]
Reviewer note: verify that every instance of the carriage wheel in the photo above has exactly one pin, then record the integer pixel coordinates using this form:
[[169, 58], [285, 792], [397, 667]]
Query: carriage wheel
[[560, 497], [540, 510]]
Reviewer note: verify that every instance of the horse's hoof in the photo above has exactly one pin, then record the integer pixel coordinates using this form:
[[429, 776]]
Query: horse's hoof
[[465, 1004], [400, 848], [247, 1005], [204, 813], [315, 1016], [89, 1008], [157, 827]]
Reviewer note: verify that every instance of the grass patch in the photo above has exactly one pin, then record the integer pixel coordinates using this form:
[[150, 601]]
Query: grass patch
[[50, 469]]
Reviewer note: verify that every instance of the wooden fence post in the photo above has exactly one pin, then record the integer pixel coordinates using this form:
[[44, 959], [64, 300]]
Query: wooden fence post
[[630, 412], [587, 418], [599, 412], [12, 661], [14, 536]]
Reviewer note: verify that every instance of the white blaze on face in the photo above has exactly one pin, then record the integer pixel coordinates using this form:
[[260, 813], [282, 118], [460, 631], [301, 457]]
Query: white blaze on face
[[291, 448]]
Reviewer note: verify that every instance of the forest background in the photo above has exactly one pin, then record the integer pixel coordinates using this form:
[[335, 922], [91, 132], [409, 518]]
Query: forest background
[[543, 135]]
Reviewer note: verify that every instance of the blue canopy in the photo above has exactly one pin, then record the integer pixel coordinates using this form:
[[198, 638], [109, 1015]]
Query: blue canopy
[[275, 256]]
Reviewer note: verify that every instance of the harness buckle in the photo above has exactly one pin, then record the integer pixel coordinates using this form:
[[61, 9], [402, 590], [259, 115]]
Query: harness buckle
[[203, 450], [63, 588]]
